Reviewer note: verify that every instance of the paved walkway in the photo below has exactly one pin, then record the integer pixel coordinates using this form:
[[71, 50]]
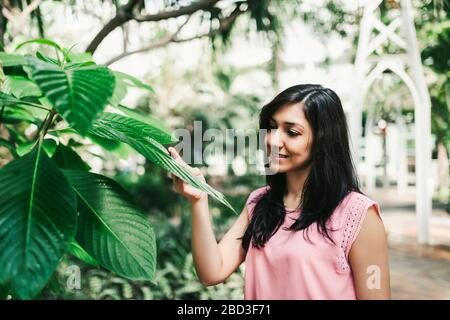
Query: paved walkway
[[417, 271]]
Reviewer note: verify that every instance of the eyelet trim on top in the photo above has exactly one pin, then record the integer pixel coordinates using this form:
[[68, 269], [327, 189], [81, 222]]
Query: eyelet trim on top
[[351, 225]]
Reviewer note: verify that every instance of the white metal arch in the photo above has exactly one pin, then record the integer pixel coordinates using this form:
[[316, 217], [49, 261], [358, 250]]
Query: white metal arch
[[366, 73], [381, 67]]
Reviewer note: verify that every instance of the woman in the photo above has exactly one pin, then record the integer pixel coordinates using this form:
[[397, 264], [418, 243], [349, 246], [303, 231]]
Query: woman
[[309, 233]]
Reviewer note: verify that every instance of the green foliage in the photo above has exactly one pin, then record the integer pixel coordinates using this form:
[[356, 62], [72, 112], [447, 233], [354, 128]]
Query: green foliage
[[46, 191], [434, 33], [436, 53], [34, 231], [77, 251], [147, 140], [70, 91], [111, 227], [175, 277]]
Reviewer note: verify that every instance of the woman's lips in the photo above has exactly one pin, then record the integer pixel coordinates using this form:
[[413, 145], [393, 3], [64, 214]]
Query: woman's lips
[[278, 156]]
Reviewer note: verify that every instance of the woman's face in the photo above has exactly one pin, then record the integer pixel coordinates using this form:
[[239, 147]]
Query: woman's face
[[289, 139]]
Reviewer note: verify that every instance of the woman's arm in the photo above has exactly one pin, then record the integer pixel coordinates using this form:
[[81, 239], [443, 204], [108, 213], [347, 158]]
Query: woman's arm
[[368, 258], [214, 262]]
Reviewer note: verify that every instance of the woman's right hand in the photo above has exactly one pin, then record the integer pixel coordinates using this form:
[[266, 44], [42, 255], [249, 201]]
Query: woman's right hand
[[186, 190]]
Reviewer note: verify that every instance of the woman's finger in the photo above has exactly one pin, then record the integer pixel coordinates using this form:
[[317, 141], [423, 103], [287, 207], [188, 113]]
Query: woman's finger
[[175, 154], [180, 160]]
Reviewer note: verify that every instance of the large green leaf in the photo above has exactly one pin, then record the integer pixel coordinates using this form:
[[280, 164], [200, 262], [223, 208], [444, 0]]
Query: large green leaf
[[37, 221], [67, 158], [122, 123], [162, 133], [139, 135], [111, 227], [77, 94]]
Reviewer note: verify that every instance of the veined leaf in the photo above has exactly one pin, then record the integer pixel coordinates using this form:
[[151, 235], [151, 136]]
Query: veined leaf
[[78, 94], [77, 65], [139, 136], [77, 251], [123, 122], [80, 57], [123, 81], [18, 114], [49, 146], [47, 59], [9, 100], [132, 81], [10, 60], [66, 158], [26, 147], [112, 228], [15, 108], [21, 87], [150, 120], [122, 150], [37, 221]]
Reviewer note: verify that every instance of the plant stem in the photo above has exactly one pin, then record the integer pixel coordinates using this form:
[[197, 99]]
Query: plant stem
[[49, 122], [45, 124], [31, 104]]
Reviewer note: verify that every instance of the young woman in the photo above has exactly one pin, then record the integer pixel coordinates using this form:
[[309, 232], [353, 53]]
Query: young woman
[[310, 233]]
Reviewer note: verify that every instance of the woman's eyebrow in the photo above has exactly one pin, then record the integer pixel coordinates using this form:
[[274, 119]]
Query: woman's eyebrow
[[289, 123]]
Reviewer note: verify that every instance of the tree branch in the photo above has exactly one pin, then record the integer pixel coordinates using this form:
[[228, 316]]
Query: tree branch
[[224, 24], [190, 9], [125, 14], [158, 44]]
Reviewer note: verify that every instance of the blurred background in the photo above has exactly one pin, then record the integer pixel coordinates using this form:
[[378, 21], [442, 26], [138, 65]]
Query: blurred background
[[219, 62]]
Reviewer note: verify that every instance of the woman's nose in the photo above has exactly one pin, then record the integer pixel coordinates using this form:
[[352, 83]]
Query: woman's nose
[[274, 140]]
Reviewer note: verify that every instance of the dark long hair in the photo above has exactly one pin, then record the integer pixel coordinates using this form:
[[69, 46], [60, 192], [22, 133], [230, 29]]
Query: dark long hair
[[332, 175]]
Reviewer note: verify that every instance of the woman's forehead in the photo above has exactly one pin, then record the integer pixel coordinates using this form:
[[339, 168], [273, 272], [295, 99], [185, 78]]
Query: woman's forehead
[[290, 113]]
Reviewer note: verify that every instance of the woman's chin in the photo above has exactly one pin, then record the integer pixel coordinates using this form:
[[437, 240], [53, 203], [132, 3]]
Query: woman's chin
[[277, 168]]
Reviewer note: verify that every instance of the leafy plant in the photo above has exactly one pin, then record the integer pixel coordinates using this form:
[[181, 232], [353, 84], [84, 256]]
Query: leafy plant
[[50, 204]]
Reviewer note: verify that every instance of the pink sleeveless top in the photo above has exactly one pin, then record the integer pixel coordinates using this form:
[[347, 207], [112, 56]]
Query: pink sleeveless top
[[290, 267]]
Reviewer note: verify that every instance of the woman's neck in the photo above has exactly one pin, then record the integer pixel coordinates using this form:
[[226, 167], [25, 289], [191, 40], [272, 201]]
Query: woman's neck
[[295, 181]]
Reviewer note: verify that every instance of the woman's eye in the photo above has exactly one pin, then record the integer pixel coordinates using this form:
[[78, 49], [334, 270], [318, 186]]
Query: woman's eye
[[293, 133]]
